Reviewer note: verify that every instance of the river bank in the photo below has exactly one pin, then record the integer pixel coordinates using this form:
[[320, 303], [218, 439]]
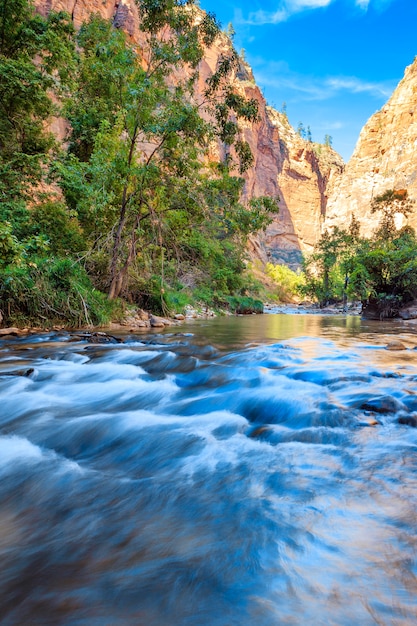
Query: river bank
[[140, 321]]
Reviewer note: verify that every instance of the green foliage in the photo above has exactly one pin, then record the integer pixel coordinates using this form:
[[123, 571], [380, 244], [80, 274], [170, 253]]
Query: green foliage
[[154, 199], [289, 284], [328, 268], [381, 270], [58, 226], [11, 250], [230, 31], [301, 130], [389, 205], [51, 290], [244, 305], [387, 268], [142, 207], [35, 59]]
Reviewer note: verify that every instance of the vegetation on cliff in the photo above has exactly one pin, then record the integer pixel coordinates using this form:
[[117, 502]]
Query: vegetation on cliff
[[132, 206]]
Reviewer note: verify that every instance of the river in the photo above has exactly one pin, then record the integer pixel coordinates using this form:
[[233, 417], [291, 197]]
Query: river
[[249, 471]]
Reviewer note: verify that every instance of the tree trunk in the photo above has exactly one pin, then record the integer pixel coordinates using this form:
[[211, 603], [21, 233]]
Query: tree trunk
[[117, 276]]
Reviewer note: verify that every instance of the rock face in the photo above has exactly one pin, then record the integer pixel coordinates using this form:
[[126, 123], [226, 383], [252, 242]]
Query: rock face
[[314, 188], [286, 166], [385, 157], [123, 12], [301, 172]]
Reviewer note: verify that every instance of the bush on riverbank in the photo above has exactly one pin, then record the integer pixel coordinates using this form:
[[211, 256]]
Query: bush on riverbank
[[381, 270], [51, 291], [288, 283]]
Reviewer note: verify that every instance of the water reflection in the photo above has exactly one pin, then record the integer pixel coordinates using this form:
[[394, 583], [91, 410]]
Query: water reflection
[[237, 332]]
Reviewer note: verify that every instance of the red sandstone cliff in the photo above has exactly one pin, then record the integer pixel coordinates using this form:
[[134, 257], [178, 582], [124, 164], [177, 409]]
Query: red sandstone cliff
[[285, 166]]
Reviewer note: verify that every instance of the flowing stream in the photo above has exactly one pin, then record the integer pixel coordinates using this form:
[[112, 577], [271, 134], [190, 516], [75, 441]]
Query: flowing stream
[[252, 471]]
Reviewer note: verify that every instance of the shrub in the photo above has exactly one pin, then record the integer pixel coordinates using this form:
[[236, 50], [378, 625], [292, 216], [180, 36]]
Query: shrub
[[288, 283], [55, 290]]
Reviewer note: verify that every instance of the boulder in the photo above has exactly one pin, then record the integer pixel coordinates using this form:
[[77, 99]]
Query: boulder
[[98, 337], [159, 322], [383, 405], [408, 420], [409, 312], [9, 331]]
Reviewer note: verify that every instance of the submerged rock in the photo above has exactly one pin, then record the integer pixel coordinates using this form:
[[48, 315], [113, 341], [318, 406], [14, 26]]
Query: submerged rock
[[98, 337], [408, 421], [383, 404], [395, 345], [26, 372]]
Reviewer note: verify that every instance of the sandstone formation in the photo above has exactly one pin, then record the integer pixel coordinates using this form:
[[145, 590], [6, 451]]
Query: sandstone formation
[[123, 13], [314, 188], [286, 166], [385, 157], [300, 171]]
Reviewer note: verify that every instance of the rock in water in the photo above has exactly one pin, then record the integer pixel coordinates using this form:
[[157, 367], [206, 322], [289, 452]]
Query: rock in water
[[99, 337], [158, 322], [395, 345]]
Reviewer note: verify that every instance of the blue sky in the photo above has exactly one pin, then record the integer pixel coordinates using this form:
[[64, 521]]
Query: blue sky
[[334, 62]]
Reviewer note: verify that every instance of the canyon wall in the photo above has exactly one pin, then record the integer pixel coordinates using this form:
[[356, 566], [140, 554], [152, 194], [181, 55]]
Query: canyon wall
[[385, 157], [315, 189], [123, 13], [285, 165]]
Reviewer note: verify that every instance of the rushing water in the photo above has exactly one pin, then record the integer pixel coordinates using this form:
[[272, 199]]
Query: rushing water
[[252, 471]]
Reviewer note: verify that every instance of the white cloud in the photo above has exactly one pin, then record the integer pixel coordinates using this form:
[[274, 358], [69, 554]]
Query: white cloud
[[278, 75], [356, 85], [286, 9], [378, 5]]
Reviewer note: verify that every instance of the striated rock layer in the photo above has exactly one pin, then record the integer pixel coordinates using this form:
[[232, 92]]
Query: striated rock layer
[[385, 157]]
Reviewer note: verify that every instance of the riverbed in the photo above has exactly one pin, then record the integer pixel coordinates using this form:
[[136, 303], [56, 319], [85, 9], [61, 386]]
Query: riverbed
[[249, 471]]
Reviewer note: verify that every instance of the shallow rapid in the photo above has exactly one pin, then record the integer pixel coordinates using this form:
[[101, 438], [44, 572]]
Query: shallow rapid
[[251, 471]]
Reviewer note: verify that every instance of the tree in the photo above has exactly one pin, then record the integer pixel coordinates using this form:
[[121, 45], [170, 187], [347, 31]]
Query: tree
[[301, 130], [136, 167], [389, 205], [328, 141], [328, 270], [380, 270], [309, 136], [36, 57], [385, 266], [230, 31]]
